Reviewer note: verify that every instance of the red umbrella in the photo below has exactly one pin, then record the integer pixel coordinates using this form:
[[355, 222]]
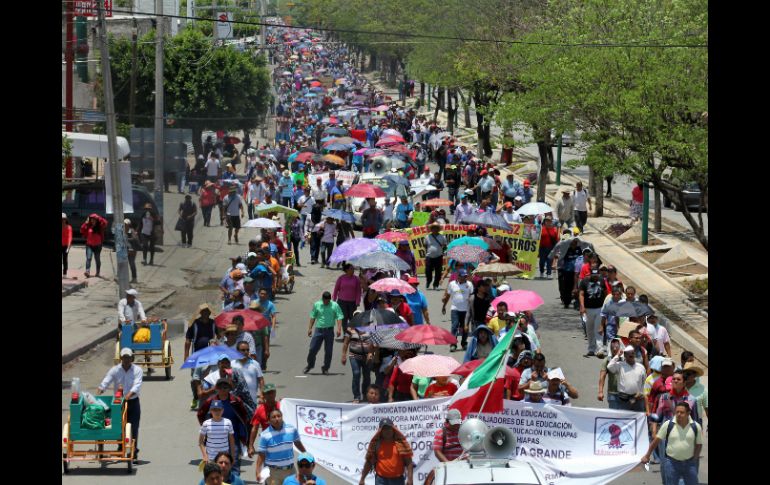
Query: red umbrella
[[315, 84], [427, 335], [398, 138], [252, 320], [437, 203], [391, 236], [366, 191], [468, 367], [304, 157]]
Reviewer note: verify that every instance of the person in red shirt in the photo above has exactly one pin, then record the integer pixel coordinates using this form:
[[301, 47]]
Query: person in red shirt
[[442, 387], [261, 419], [549, 236], [400, 385], [93, 231], [401, 308], [66, 242], [512, 390]]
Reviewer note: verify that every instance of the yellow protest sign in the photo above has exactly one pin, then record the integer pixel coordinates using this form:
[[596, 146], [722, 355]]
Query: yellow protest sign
[[522, 243]]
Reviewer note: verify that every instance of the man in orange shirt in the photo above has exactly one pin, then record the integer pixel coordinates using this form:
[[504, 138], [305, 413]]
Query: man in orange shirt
[[389, 454]]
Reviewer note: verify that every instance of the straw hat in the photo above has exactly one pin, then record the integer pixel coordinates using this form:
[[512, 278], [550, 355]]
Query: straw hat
[[201, 307], [535, 388], [693, 368]]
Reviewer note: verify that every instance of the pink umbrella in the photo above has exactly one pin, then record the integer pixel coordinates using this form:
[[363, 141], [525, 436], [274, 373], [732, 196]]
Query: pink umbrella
[[390, 284], [430, 365], [365, 190], [391, 236], [360, 151], [382, 107], [427, 335], [519, 300], [386, 142]]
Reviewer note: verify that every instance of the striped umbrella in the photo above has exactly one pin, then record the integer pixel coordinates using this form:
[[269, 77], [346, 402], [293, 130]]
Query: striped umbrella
[[386, 339]]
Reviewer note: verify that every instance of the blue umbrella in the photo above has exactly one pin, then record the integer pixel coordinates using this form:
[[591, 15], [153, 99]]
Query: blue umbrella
[[293, 156], [386, 246], [209, 356], [487, 219], [340, 215], [470, 241], [338, 147], [328, 138], [311, 95]]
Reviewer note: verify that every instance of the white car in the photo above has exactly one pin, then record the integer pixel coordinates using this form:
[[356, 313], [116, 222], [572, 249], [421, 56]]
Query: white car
[[354, 203]]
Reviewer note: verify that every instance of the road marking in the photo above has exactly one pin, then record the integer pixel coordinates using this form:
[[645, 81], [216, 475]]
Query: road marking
[[300, 377]]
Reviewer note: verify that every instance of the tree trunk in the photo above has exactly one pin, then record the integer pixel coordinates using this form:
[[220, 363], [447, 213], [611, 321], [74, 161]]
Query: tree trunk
[[599, 197], [466, 107], [697, 226], [591, 182], [542, 175], [439, 102], [197, 133], [482, 129], [421, 103], [658, 216], [450, 112], [392, 81], [372, 62]]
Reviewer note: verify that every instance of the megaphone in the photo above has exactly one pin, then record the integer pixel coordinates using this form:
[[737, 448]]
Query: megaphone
[[380, 165], [499, 442], [471, 435]]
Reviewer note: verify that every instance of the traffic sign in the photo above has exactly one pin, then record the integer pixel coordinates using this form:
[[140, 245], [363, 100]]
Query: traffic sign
[[224, 25]]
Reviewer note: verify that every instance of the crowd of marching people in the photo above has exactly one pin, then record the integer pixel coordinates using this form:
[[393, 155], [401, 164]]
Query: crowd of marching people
[[328, 118]]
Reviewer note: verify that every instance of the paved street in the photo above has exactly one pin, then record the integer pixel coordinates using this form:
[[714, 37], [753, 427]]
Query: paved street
[[169, 430]]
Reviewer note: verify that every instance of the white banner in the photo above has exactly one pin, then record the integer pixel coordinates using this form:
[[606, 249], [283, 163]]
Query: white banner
[[125, 187], [346, 177], [565, 445]]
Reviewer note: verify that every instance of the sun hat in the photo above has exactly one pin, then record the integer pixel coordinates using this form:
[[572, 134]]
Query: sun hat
[[693, 368], [535, 388], [231, 328]]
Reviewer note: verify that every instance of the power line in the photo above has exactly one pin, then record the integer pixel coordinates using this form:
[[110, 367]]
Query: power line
[[426, 36]]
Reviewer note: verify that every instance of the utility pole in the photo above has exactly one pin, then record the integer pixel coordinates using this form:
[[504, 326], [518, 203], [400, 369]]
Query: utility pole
[[69, 55], [215, 14], [645, 212], [132, 93], [121, 248], [262, 15], [558, 163], [159, 141]]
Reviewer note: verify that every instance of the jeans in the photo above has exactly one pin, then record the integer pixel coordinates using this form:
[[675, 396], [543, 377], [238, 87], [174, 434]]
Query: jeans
[[348, 308], [327, 252], [180, 181], [672, 470], [132, 263], [360, 369], [295, 245], [545, 264], [593, 323], [250, 210], [452, 195], [96, 252], [148, 243], [133, 413], [286, 201], [323, 336], [581, 217], [612, 401], [378, 480], [64, 256], [315, 246], [207, 215], [433, 268], [637, 406], [458, 325], [187, 232]]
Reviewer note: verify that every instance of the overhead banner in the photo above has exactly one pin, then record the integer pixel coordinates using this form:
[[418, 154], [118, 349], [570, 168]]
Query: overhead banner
[[523, 241], [565, 445]]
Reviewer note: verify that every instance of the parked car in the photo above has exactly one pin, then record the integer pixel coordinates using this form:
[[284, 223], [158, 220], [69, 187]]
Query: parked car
[[81, 199], [567, 139], [691, 197]]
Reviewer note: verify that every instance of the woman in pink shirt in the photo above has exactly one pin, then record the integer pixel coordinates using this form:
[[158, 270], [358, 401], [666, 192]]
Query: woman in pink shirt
[[66, 242], [347, 293]]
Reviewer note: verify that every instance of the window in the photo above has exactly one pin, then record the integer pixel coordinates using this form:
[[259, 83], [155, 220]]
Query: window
[[94, 199], [69, 198]]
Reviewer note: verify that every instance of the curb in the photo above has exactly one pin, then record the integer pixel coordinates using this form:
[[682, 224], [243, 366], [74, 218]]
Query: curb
[[84, 347], [73, 288]]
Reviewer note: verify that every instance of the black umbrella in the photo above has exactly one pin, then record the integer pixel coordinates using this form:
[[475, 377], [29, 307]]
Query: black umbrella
[[378, 317], [308, 149], [628, 309], [396, 179], [386, 339], [336, 131], [487, 219]]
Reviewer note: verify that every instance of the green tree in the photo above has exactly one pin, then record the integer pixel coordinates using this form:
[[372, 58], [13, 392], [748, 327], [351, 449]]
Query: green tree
[[206, 86]]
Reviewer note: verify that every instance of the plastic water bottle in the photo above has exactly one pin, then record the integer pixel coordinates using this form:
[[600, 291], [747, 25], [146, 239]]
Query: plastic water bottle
[[75, 388]]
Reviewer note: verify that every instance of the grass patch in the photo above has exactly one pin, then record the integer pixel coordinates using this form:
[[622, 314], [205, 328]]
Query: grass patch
[[698, 287]]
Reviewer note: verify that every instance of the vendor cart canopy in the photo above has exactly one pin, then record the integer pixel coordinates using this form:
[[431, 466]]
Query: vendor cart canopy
[[89, 145]]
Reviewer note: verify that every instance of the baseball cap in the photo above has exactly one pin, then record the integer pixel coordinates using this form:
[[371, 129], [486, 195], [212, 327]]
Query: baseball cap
[[454, 416], [483, 172], [413, 281], [462, 272], [306, 457], [667, 362], [268, 388], [127, 351], [629, 348], [217, 404], [526, 182], [518, 197], [556, 374], [222, 357], [132, 292], [386, 422]]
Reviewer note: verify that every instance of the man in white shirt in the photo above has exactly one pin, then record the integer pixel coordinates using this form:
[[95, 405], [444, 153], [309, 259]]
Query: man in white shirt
[[459, 292], [631, 376], [582, 202], [659, 335], [233, 205], [305, 204], [128, 377], [464, 209], [510, 216], [387, 212], [251, 370], [319, 192], [329, 228], [130, 309], [212, 167], [256, 195]]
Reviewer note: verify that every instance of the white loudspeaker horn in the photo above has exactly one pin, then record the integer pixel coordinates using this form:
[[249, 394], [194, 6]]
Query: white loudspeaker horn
[[471, 435], [499, 442], [380, 165]]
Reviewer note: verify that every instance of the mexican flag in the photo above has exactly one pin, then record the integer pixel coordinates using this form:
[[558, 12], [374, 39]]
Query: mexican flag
[[490, 374]]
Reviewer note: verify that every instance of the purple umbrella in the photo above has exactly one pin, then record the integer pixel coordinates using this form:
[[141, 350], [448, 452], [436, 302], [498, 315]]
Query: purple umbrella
[[354, 248]]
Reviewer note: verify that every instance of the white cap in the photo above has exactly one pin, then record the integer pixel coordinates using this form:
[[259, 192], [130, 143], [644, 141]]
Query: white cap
[[126, 221], [454, 416], [132, 292], [241, 267], [127, 351], [518, 197], [503, 288], [251, 255], [63, 215], [556, 374], [629, 348], [469, 191]]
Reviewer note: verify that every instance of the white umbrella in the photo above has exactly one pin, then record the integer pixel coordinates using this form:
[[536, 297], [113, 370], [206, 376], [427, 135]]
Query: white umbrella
[[389, 131], [534, 208], [262, 223]]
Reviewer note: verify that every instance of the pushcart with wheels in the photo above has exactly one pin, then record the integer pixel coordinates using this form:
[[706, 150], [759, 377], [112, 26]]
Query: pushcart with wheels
[[152, 354], [111, 444]]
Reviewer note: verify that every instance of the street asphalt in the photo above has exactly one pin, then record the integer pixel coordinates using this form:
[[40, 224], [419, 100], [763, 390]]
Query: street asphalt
[[169, 430]]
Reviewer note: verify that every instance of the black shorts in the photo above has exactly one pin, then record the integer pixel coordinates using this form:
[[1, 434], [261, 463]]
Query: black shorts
[[235, 221]]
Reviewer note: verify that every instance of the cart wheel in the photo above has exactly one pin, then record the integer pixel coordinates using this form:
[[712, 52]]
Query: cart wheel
[[116, 359], [130, 467], [65, 464]]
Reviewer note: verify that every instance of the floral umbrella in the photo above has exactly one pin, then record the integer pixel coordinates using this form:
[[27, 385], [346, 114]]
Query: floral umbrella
[[467, 254]]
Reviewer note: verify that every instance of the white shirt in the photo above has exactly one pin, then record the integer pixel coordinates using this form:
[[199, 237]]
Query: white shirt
[[630, 378], [318, 193], [463, 210], [307, 203], [459, 295], [257, 192], [387, 213], [212, 167], [128, 313], [511, 217], [659, 335], [130, 380], [252, 372], [581, 200]]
